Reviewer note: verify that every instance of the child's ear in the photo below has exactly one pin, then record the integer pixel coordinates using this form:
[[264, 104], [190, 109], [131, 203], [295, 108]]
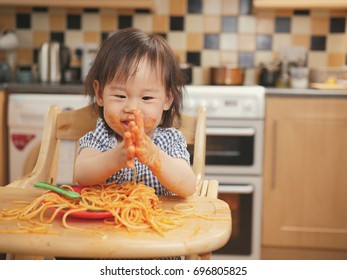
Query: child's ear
[[168, 101], [98, 93]]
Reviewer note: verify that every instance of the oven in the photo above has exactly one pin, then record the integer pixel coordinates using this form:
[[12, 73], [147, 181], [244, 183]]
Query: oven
[[234, 154]]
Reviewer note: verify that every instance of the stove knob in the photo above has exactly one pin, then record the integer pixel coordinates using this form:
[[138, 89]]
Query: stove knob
[[247, 106], [214, 104], [203, 103]]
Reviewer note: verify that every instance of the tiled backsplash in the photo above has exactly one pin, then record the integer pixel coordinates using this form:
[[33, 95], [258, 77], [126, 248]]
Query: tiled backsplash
[[204, 33]]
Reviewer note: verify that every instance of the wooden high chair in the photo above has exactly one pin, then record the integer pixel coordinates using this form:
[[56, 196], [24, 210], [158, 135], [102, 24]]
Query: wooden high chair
[[71, 125]]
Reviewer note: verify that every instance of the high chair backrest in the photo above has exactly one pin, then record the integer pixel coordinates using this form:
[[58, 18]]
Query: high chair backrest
[[71, 125]]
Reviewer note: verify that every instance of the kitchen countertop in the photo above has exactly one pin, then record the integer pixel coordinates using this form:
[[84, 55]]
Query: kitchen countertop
[[305, 92], [78, 89], [43, 88]]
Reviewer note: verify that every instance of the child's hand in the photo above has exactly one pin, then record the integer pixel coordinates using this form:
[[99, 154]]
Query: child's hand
[[129, 145], [145, 150]]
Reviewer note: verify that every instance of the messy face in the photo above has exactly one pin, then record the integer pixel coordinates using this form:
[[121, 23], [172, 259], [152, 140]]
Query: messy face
[[143, 90]]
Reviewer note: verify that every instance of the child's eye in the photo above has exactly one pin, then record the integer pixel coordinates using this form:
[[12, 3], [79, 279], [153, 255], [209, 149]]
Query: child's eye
[[146, 98], [120, 96]]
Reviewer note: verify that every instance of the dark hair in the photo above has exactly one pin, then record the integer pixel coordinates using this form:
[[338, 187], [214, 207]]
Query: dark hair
[[119, 57]]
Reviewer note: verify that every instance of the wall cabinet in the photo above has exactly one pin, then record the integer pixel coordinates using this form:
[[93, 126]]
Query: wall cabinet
[[300, 4], [126, 4], [305, 173]]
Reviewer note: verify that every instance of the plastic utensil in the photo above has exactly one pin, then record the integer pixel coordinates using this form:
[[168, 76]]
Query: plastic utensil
[[68, 193]]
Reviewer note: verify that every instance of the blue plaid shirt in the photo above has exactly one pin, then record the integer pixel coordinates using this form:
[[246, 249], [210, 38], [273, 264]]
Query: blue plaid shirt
[[169, 140]]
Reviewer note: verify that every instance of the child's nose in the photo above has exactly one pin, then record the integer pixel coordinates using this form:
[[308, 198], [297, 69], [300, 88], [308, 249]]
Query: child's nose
[[130, 106]]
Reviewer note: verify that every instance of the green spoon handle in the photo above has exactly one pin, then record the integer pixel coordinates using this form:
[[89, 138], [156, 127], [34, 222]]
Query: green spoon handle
[[57, 189]]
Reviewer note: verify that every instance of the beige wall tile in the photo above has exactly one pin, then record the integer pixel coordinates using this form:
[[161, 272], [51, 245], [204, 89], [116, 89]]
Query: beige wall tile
[[246, 42], [201, 76], [90, 22], [319, 25], [160, 23], [230, 7], [211, 7], [212, 24], [178, 7], [336, 43], [210, 58], [247, 24], [229, 58], [265, 25], [280, 40], [162, 7], [195, 41], [263, 57], [336, 59], [177, 40], [317, 59], [25, 38], [40, 21], [229, 41], [301, 25], [194, 23], [73, 38], [143, 22]]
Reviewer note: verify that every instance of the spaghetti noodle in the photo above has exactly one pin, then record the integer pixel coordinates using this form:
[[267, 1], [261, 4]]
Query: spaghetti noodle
[[133, 207]]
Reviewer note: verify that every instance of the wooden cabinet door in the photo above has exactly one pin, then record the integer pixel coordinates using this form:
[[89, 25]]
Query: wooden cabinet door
[[300, 4], [305, 173]]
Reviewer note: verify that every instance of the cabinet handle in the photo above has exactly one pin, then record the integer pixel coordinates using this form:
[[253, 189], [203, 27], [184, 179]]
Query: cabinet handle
[[274, 157]]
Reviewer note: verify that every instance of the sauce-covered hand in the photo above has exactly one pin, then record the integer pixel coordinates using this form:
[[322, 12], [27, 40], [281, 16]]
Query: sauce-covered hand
[[145, 150], [130, 147]]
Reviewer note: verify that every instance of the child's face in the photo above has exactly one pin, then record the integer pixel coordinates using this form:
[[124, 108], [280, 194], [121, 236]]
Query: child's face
[[143, 91]]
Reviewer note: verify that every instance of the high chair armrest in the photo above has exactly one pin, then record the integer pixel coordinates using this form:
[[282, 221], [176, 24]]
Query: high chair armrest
[[208, 188]]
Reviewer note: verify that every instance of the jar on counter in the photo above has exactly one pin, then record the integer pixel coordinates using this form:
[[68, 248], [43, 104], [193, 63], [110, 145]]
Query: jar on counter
[[299, 77]]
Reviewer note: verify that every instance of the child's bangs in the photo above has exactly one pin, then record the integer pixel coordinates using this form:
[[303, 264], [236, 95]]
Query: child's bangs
[[127, 67]]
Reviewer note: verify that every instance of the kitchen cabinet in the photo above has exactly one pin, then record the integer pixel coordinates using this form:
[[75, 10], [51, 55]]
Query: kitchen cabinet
[[305, 173], [300, 4], [126, 4], [3, 139]]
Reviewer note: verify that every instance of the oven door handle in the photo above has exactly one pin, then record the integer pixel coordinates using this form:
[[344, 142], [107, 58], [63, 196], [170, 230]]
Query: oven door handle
[[241, 189], [230, 131]]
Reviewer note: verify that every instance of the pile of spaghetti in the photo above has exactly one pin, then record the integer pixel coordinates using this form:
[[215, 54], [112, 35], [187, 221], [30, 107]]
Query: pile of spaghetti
[[133, 206]]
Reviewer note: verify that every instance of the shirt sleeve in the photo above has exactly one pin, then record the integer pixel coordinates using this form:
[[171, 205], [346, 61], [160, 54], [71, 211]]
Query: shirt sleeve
[[99, 138], [172, 141]]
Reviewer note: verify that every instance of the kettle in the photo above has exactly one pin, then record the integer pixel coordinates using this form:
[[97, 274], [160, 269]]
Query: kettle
[[54, 59]]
